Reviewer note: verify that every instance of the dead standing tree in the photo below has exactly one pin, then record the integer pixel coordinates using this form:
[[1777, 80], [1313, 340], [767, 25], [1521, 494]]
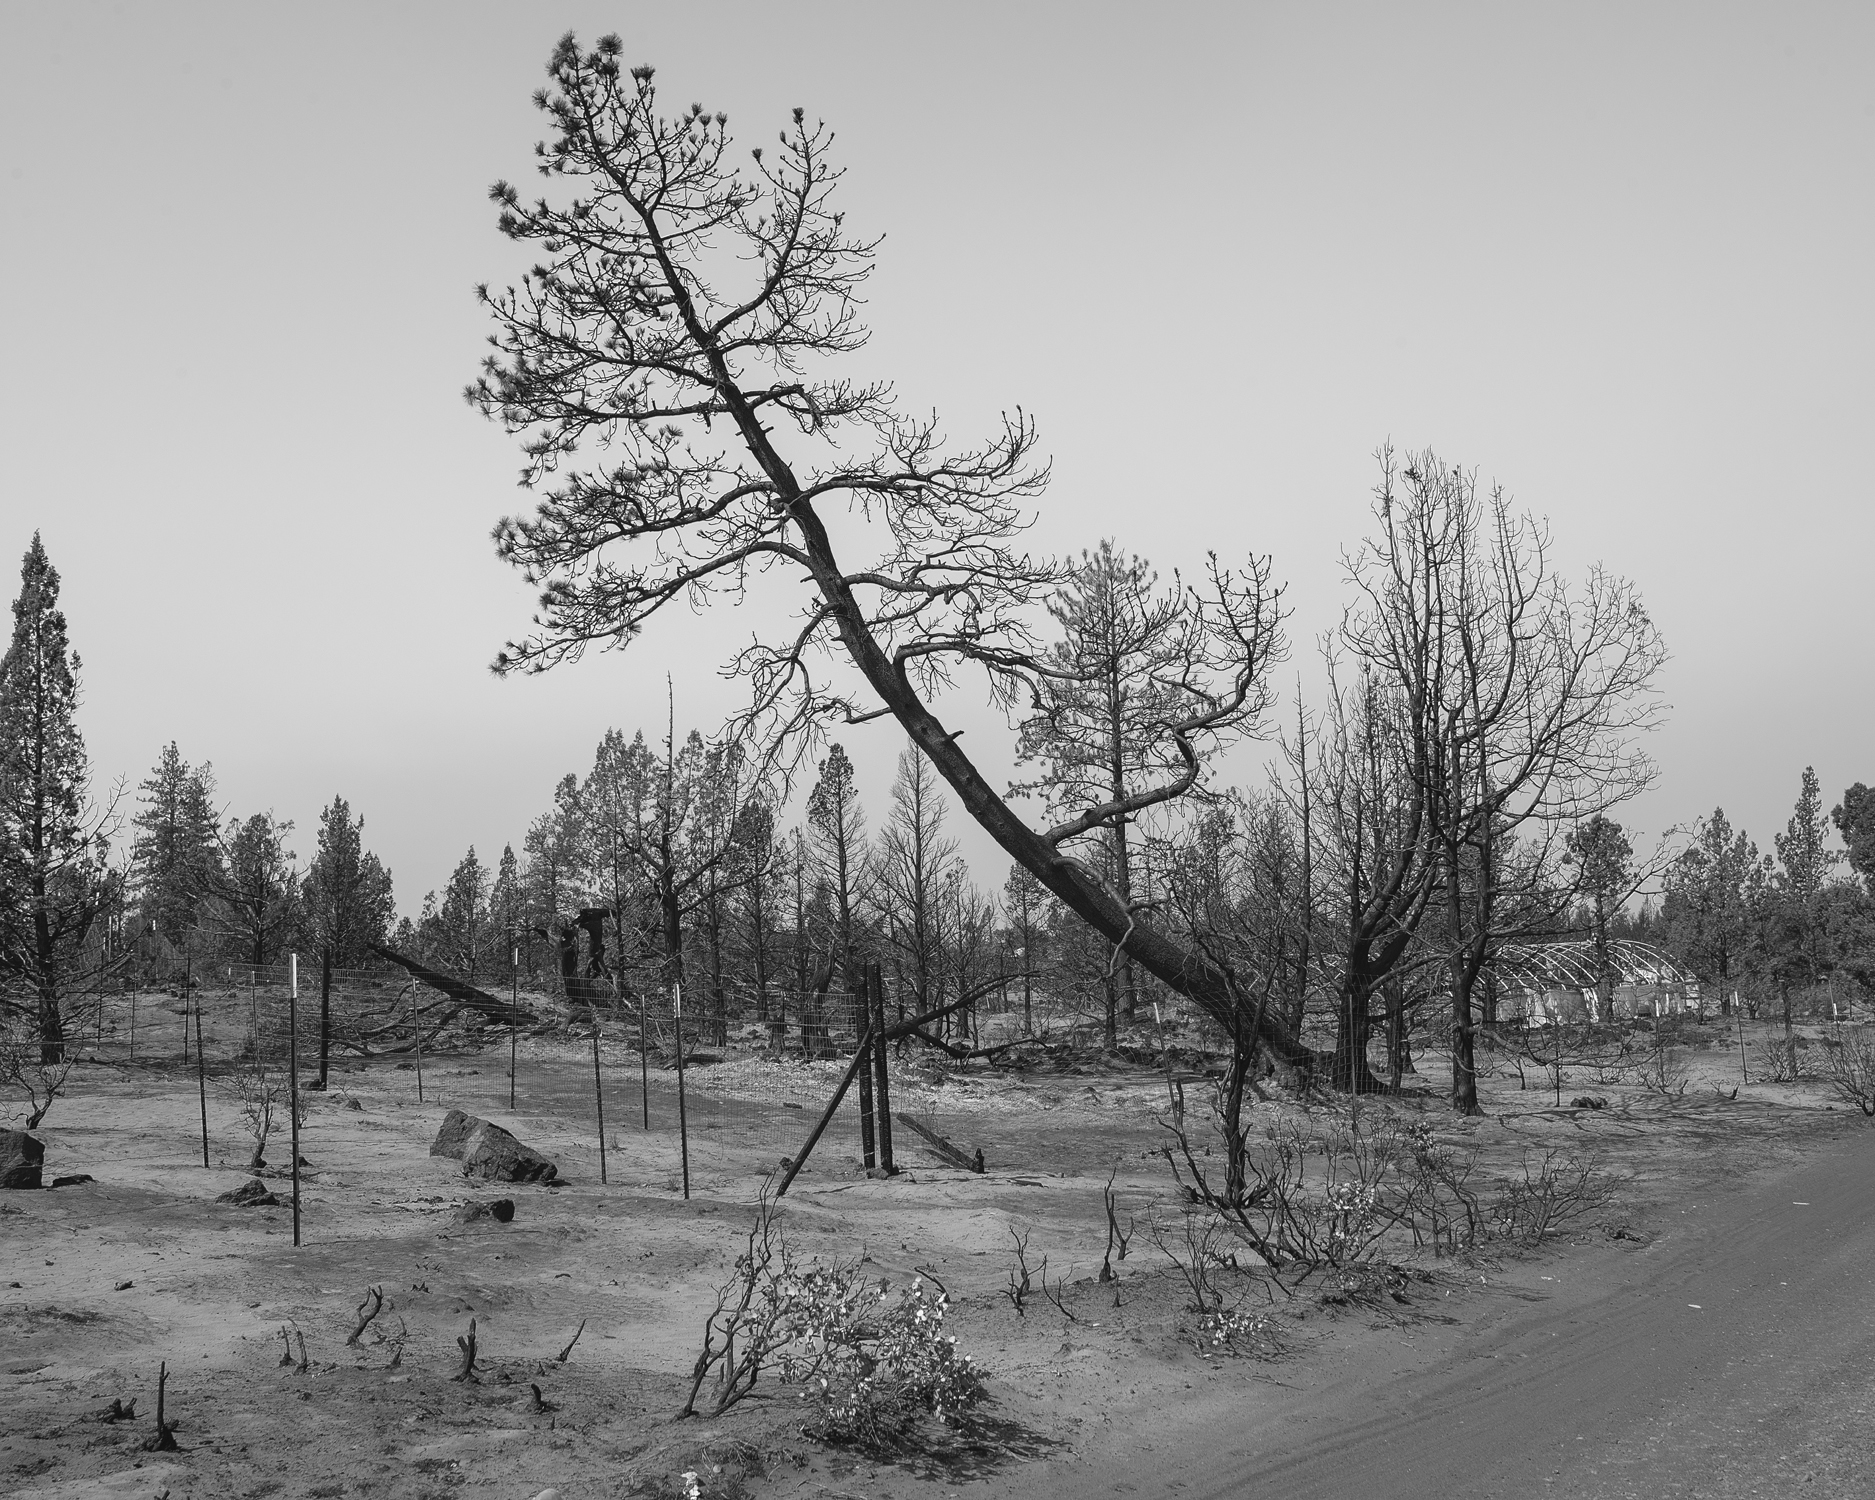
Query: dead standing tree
[[1369, 849], [1522, 698], [682, 314], [679, 823]]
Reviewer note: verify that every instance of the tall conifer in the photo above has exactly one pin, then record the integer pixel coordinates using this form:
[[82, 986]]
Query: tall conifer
[[52, 841]]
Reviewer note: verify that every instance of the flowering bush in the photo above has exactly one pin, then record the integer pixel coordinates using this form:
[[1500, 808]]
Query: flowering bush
[[870, 1364], [1236, 1333]]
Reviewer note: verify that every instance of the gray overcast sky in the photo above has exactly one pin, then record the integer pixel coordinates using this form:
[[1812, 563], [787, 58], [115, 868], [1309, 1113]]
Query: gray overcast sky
[[1617, 257]]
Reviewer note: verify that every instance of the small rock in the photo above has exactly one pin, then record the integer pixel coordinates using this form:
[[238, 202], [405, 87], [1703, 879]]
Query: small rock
[[74, 1180], [123, 1286], [354, 1104], [22, 1160], [251, 1194], [501, 1210]]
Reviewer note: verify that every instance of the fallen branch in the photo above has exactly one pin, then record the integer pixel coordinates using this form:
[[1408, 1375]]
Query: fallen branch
[[561, 1357], [964, 1053], [466, 1343], [943, 1147], [369, 1308]]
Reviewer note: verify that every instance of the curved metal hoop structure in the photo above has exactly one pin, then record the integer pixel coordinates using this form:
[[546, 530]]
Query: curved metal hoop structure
[[1547, 983], [1572, 965]]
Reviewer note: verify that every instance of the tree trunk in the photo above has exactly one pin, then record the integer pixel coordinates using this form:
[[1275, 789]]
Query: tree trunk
[[1353, 1026], [1187, 972], [1236, 1174], [673, 922], [1399, 1052], [1464, 1059], [760, 935], [51, 1022]]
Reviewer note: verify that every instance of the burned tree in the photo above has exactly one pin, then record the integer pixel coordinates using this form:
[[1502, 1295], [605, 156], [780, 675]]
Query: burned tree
[[667, 365], [1519, 698], [259, 891], [674, 829], [53, 840], [912, 862], [1372, 850]]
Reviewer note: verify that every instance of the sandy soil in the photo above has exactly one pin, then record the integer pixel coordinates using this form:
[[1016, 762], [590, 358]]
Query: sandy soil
[[99, 1283]]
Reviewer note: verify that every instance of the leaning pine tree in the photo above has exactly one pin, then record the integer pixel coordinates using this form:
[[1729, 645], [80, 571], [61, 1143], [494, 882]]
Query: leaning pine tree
[[668, 366]]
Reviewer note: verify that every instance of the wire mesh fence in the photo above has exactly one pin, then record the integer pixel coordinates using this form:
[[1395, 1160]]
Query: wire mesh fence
[[757, 1071]]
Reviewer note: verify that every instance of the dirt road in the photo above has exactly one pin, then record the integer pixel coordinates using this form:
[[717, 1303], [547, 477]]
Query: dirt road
[[1733, 1356]]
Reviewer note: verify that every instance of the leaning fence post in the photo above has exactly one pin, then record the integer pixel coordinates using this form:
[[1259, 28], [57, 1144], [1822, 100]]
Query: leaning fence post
[[861, 1056]]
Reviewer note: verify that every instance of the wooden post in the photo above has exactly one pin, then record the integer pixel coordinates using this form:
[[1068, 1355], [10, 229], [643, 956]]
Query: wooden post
[[598, 1094], [416, 1032], [881, 1082], [514, 1020], [292, 1101], [683, 1118], [201, 1077], [325, 1012]]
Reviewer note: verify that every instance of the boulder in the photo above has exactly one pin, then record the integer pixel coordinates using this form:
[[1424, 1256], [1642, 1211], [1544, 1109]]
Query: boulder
[[22, 1160], [489, 1152], [501, 1210], [251, 1194], [457, 1128]]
